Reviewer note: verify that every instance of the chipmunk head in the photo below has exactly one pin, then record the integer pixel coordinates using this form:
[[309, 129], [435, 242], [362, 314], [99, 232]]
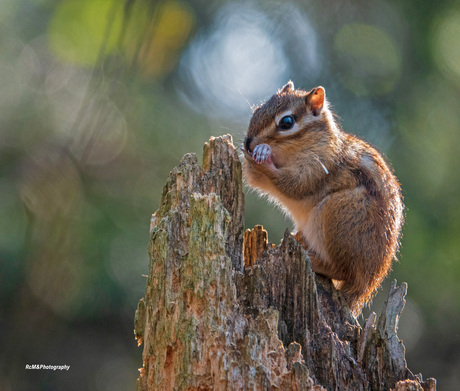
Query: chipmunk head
[[289, 121]]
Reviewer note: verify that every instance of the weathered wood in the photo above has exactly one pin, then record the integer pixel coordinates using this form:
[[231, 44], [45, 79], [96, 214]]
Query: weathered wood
[[255, 243], [211, 321]]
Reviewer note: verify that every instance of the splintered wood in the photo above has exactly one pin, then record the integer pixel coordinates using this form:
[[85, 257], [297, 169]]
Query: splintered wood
[[212, 319], [255, 243]]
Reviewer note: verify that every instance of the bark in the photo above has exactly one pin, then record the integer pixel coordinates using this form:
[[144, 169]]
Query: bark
[[212, 319]]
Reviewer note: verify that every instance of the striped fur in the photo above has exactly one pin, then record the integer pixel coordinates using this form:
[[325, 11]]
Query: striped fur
[[342, 196]]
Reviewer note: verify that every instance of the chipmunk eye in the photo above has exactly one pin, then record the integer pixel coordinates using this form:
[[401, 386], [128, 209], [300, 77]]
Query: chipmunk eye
[[286, 122]]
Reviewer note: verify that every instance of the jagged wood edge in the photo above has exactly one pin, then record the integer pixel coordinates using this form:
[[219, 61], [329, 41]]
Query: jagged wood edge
[[215, 154]]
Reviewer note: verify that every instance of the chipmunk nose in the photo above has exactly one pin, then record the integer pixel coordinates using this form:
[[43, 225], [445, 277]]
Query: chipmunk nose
[[247, 144]]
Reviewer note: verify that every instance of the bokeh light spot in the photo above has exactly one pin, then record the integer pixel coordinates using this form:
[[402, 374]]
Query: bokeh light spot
[[371, 63], [81, 30], [446, 45], [159, 53], [7, 9], [430, 122], [102, 133], [50, 185], [239, 61]]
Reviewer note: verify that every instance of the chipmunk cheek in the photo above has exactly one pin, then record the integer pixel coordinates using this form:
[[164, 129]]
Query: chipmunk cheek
[[275, 162]]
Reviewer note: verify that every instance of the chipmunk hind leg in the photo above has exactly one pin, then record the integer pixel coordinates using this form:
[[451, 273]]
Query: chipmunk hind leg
[[352, 230], [312, 239], [352, 290]]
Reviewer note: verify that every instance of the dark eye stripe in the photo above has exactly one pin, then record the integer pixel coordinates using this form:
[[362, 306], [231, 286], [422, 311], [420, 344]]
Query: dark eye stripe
[[287, 122]]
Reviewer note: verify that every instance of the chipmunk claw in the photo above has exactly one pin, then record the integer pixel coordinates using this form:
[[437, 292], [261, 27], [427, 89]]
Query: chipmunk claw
[[262, 153]]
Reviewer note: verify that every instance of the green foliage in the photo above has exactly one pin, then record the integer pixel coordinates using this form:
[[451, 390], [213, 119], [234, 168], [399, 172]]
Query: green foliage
[[81, 30]]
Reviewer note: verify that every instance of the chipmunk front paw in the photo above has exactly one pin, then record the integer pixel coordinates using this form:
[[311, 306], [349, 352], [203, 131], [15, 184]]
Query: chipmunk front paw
[[262, 154]]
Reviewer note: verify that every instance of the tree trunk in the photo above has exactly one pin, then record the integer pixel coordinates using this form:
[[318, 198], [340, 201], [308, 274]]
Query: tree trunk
[[212, 319]]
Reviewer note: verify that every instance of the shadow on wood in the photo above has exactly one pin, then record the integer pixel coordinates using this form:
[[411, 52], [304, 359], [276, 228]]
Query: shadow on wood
[[213, 320]]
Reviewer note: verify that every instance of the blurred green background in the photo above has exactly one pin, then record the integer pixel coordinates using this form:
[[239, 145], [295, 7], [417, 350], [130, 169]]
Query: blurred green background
[[99, 99]]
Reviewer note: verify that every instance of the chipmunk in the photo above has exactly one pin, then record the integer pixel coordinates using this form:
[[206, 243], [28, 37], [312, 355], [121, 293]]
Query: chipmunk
[[342, 196]]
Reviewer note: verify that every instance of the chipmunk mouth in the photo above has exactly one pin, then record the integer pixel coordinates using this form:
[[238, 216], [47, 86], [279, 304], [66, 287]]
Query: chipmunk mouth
[[261, 155], [246, 148], [247, 145]]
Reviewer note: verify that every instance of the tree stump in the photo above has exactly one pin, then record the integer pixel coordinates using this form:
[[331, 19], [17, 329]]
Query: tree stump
[[212, 319]]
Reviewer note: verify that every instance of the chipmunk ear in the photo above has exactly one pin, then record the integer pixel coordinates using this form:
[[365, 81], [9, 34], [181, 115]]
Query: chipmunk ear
[[288, 87], [315, 99]]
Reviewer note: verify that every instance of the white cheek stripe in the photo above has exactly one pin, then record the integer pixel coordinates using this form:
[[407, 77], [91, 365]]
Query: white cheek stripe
[[293, 130], [297, 126]]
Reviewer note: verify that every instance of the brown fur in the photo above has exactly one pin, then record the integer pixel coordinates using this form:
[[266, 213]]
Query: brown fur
[[341, 194]]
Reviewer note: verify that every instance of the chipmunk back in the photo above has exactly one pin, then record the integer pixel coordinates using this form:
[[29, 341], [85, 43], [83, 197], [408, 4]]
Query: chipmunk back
[[342, 196]]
